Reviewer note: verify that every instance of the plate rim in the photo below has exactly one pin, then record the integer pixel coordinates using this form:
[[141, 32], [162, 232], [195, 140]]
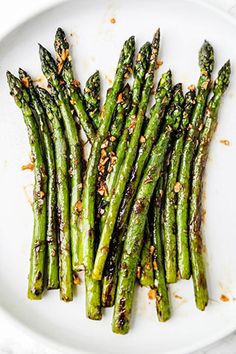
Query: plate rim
[[46, 340]]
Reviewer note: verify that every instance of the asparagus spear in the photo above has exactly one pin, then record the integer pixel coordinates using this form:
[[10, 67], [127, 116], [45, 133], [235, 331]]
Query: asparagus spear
[[50, 71], [206, 63], [195, 237], [117, 194], [140, 70], [162, 298], [162, 97], [52, 255], [172, 187], [92, 98], [108, 158], [88, 200], [38, 248], [134, 237], [63, 194], [146, 278], [64, 65]]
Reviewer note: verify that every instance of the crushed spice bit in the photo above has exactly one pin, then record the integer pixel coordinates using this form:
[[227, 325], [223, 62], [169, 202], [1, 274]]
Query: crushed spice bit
[[152, 294], [225, 142], [105, 144], [72, 102], [154, 264], [205, 84], [112, 138], [41, 194], [191, 87], [203, 215], [224, 298], [178, 297], [120, 98], [200, 127], [76, 279], [78, 206], [103, 153], [159, 63], [76, 83], [138, 273], [113, 20], [102, 190], [29, 166], [142, 139], [110, 169], [177, 187], [25, 82], [61, 59], [151, 249]]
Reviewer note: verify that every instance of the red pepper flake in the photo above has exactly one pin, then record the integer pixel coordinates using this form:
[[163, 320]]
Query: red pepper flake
[[224, 298], [25, 82], [138, 273], [78, 206], [225, 142], [76, 279], [29, 166], [152, 294]]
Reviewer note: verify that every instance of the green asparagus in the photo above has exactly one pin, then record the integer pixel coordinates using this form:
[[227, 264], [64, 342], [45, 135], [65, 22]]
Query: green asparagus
[[146, 261], [92, 98], [206, 63], [64, 67], [134, 236], [117, 194], [76, 161], [195, 237], [63, 194], [38, 249], [162, 97], [140, 70], [162, 297], [89, 192], [52, 255], [172, 187]]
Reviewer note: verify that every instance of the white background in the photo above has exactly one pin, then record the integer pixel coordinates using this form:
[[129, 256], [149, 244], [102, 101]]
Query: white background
[[12, 340]]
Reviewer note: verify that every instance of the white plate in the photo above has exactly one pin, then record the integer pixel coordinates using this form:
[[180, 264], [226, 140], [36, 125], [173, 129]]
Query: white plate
[[96, 43]]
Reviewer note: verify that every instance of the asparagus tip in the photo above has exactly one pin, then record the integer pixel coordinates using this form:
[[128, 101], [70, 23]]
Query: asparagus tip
[[206, 58]]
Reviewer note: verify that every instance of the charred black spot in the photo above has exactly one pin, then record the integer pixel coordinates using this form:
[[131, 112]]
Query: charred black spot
[[91, 232], [139, 206], [39, 276], [122, 313]]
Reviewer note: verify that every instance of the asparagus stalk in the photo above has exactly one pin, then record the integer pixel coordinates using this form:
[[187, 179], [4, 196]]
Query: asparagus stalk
[[172, 188], [206, 63], [140, 70], [195, 236], [38, 249], [92, 98], [117, 194], [89, 192], [162, 99], [63, 194], [162, 298], [108, 158], [147, 278], [52, 255], [76, 161], [134, 237], [64, 65]]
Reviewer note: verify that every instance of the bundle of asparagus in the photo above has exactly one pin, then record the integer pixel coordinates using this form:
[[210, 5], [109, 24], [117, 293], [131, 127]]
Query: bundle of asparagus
[[132, 213]]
